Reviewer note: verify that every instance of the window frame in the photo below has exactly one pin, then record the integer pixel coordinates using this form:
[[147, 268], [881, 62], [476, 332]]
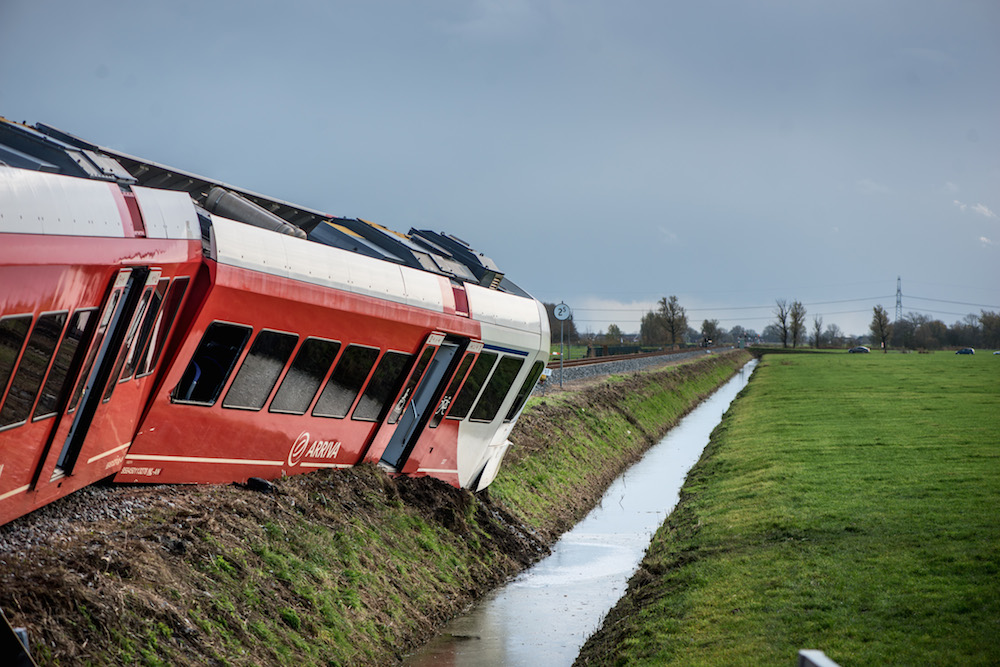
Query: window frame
[[32, 380], [474, 395], [338, 346], [171, 306], [226, 373], [496, 389], [454, 386], [8, 374], [356, 390], [250, 364], [381, 404], [527, 387]]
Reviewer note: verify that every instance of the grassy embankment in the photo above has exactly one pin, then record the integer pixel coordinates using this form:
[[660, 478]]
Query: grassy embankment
[[569, 446], [846, 503], [334, 567]]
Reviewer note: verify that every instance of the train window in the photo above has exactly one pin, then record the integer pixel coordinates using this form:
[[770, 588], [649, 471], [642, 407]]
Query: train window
[[95, 346], [13, 331], [305, 376], [152, 311], [463, 402], [260, 370], [73, 345], [497, 389], [345, 382], [526, 388], [31, 371], [383, 387], [162, 327], [133, 327], [449, 394], [418, 372], [211, 364]]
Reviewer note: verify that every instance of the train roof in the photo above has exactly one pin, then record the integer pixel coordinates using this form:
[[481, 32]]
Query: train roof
[[47, 149]]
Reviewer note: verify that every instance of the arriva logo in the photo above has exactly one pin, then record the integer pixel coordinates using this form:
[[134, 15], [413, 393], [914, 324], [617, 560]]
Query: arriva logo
[[303, 448]]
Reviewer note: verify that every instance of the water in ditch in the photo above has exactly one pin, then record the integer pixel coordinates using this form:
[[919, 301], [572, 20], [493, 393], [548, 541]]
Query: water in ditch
[[544, 615]]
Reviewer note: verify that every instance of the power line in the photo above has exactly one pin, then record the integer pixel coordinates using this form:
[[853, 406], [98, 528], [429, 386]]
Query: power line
[[810, 304], [718, 308], [956, 303], [769, 318]]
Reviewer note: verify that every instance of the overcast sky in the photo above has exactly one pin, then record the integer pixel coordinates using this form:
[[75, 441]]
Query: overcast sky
[[603, 153]]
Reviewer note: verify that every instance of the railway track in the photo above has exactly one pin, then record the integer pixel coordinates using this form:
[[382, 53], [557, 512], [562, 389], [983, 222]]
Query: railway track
[[570, 363]]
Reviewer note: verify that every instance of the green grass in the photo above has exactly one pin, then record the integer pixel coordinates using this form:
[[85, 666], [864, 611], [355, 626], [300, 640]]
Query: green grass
[[569, 351], [584, 443], [846, 503]]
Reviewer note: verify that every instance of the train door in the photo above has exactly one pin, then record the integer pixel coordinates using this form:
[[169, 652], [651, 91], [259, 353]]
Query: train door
[[423, 389], [122, 310]]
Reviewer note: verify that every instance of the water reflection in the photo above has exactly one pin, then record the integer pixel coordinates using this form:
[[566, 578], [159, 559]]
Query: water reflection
[[545, 615]]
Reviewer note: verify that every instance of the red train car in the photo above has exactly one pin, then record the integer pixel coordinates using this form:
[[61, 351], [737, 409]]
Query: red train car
[[84, 319], [147, 335]]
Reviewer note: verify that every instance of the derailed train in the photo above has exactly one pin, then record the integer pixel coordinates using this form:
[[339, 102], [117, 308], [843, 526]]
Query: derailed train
[[157, 326]]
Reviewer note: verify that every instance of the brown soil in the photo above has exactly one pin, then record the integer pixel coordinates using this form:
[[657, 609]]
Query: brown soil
[[91, 591]]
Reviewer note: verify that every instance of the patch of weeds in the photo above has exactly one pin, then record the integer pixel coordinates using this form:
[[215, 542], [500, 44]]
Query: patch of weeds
[[290, 618]]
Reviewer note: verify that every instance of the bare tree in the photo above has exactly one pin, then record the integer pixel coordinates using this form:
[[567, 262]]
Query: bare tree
[[781, 320], [797, 322], [817, 331], [674, 320], [834, 334], [880, 327]]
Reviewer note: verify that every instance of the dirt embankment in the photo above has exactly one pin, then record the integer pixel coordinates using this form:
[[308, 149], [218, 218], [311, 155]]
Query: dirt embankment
[[334, 567]]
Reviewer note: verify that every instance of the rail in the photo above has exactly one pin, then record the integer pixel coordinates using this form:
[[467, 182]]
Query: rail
[[569, 363]]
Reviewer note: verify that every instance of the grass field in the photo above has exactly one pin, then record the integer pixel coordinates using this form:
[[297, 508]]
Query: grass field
[[848, 503]]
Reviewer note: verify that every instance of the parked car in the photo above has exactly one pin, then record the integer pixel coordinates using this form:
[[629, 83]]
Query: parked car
[[859, 349], [966, 350]]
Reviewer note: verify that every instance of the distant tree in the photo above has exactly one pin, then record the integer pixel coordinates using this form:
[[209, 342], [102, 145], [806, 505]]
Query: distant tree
[[674, 320], [965, 333], [772, 334], [904, 331], [614, 334], [990, 323], [817, 331], [917, 330], [881, 328], [797, 322], [931, 334], [710, 330], [781, 313], [834, 335], [569, 332]]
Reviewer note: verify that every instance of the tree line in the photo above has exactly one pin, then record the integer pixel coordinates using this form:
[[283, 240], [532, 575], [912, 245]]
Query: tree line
[[668, 325], [915, 331]]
